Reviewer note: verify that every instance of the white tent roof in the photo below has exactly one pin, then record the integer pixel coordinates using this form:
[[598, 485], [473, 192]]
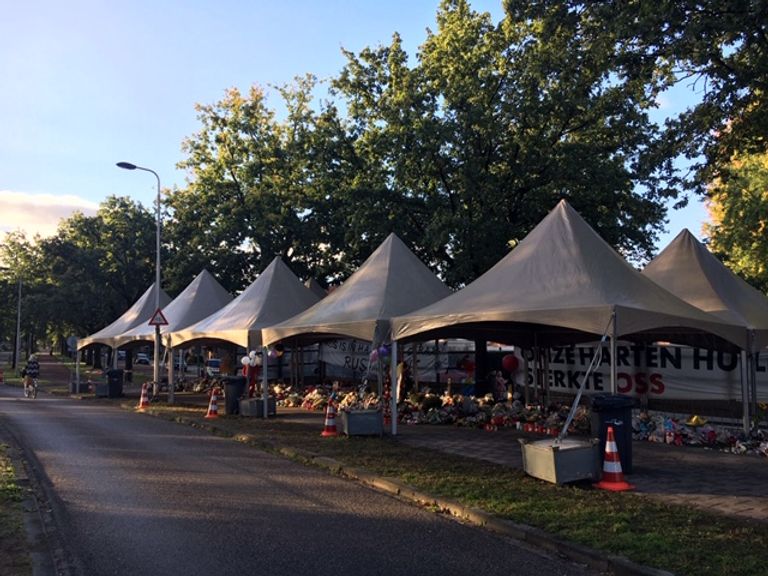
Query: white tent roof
[[690, 271], [391, 281], [140, 313], [275, 295], [563, 283], [318, 290], [201, 298]]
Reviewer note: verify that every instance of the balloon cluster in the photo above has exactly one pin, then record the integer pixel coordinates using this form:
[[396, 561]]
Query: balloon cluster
[[253, 359], [277, 351], [510, 363], [380, 353]]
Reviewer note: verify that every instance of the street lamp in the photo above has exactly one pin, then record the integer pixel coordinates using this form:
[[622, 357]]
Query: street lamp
[[18, 327], [156, 374]]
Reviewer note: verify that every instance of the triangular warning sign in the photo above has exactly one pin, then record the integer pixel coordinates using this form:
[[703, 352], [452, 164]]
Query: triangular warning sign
[[158, 319]]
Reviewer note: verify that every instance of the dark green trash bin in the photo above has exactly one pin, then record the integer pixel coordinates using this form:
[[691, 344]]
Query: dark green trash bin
[[234, 388], [114, 383], [614, 410]]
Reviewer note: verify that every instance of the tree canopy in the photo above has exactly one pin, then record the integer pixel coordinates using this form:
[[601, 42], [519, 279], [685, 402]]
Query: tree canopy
[[460, 153], [739, 211], [460, 149]]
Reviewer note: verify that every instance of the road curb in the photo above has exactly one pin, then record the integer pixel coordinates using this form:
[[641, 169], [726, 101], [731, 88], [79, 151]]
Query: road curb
[[535, 537]]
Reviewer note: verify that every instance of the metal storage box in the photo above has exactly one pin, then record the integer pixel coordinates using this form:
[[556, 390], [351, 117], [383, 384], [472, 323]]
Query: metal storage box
[[255, 407], [362, 422], [567, 461]]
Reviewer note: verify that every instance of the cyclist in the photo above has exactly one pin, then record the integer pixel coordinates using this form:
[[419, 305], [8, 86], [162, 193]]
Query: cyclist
[[32, 370]]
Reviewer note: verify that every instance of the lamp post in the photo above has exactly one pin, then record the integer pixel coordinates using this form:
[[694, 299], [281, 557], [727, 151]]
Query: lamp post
[[156, 372], [18, 327]]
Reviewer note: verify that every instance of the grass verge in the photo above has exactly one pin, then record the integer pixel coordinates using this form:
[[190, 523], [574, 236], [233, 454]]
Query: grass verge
[[13, 545], [673, 538]]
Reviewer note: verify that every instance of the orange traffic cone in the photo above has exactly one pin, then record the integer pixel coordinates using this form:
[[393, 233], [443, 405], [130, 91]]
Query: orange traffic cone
[[144, 400], [213, 407], [330, 421], [613, 477]]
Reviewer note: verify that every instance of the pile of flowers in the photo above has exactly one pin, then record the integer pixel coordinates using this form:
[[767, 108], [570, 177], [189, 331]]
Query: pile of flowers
[[487, 413], [315, 399], [697, 431], [359, 401], [286, 395]]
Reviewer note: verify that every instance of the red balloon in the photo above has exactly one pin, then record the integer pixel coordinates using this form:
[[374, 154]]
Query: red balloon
[[510, 363]]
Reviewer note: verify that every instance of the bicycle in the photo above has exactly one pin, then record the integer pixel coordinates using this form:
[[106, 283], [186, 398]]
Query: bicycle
[[30, 391]]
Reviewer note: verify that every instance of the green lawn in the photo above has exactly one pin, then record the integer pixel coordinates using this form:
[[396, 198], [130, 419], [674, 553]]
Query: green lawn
[[673, 538], [14, 558]]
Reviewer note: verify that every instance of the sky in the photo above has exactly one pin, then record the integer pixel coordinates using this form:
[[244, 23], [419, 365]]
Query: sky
[[89, 83]]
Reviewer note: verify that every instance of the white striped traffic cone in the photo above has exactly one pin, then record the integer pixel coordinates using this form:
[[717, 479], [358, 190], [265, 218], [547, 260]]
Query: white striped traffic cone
[[213, 407], [613, 477], [330, 421], [144, 400]]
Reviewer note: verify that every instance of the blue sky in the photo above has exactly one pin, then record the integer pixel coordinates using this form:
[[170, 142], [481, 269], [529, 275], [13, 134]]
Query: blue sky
[[88, 83]]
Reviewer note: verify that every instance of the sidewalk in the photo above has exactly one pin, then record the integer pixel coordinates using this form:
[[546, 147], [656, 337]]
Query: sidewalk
[[729, 484], [734, 485]]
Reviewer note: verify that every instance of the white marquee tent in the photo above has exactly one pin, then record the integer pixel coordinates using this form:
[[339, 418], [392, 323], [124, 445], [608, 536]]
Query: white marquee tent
[[391, 281], [275, 295], [201, 298], [563, 283], [138, 314]]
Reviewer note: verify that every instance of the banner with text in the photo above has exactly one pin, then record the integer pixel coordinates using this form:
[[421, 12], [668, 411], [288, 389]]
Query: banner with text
[[673, 372]]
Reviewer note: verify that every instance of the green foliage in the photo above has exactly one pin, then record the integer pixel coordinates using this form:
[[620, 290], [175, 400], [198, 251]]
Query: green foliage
[[14, 555], [473, 145], [260, 188], [715, 49], [85, 276], [739, 210], [460, 149], [460, 153]]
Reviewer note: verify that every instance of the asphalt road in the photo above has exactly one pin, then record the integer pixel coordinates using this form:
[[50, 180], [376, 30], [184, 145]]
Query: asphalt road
[[132, 494]]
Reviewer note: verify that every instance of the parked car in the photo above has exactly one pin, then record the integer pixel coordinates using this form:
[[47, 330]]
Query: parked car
[[213, 367], [176, 365], [141, 358]]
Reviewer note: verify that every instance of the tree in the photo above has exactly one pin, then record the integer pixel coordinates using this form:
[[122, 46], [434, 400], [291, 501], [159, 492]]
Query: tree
[[471, 147], [739, 211], [260, 188], [85, 276], [718, 49]]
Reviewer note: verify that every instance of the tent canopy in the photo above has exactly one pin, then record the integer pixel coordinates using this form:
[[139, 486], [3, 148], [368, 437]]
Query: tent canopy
[[138, 314], [201, 298], [391, 281], [690, 271], [563, 284], [316, 289], [275, 295]]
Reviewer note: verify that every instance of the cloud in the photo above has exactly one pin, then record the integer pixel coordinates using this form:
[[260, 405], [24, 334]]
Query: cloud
[[39, 213]]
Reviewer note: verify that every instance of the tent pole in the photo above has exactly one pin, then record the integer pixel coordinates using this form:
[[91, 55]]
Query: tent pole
[[437, 363], [536, 373], [415, 367], [545, 375], [526, 389], [753, 384], [393, 387], [171, 385], [265, 380], [77, 372], [613, 353], [745, 372]]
